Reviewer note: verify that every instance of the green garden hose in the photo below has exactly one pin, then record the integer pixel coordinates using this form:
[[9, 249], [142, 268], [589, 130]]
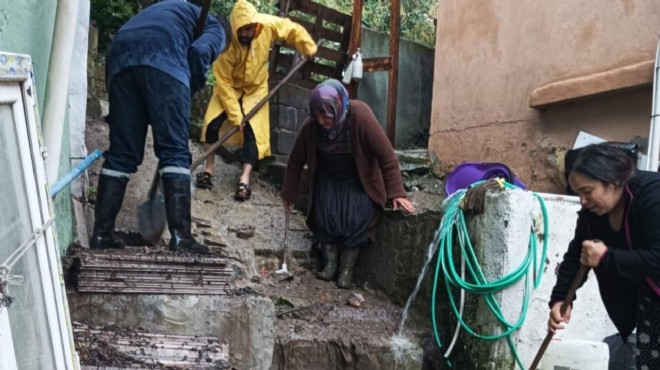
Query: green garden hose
[[531, 269]]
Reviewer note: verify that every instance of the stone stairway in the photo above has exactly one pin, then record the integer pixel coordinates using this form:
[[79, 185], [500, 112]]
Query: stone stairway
[[258, 321]]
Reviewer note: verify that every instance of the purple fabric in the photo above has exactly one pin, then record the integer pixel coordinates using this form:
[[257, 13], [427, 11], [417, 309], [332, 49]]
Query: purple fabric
[[330, 98], [467, 173]]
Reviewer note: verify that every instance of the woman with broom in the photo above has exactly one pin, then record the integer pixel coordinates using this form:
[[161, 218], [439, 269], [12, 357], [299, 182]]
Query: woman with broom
[[617, 235]]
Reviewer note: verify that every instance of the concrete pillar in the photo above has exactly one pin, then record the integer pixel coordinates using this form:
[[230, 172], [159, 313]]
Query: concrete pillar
[[500, 237]]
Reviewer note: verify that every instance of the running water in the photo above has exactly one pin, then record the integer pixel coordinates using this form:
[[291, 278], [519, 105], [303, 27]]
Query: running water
[[406, 353], [433, 247]]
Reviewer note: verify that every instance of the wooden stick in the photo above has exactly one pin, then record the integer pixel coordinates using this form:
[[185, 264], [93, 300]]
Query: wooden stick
[[251, 113], [579, 277]]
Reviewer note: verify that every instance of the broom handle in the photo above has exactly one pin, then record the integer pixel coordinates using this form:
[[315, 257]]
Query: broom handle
[[250, 114], [579, 277], [286, 229]]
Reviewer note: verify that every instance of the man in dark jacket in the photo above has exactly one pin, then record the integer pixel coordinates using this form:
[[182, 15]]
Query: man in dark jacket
[[153, 67]]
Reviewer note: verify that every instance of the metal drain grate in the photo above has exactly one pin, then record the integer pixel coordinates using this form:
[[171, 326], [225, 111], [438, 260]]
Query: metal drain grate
[[127, 272]]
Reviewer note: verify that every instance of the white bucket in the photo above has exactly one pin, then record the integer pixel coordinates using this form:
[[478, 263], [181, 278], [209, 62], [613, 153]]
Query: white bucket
[[572, 354]]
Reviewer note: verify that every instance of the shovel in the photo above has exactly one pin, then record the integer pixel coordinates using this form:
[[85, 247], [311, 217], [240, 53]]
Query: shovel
[[579, 277], [151, 213], [283, 273]]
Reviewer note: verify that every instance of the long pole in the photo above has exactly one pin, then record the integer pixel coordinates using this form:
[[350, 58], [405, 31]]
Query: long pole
[[251, 113], [393, 74], [654, 131], [579, 277]]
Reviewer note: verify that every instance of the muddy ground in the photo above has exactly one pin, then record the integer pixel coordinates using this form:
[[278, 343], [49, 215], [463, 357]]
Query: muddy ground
[[308, 310]]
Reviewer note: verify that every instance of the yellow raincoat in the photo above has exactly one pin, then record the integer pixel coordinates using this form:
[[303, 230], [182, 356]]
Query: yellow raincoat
[[242, 71]]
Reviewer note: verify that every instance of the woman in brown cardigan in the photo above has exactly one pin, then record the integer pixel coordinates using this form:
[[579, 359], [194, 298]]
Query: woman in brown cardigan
[[352, 171]]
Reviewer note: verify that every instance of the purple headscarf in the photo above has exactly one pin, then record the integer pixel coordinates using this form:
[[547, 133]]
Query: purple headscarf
[[330, 98]]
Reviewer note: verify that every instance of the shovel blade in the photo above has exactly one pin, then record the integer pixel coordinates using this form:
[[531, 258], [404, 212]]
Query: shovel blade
[[152, 218]]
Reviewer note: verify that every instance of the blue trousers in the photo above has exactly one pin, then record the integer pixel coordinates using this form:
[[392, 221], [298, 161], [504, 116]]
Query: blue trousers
[[141, 96]]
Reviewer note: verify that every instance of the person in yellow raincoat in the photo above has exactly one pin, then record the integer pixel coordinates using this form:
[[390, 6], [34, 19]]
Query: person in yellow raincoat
[[241, 76]]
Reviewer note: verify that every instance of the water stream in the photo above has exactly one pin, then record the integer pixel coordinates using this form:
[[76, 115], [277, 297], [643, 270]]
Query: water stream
[[433, 247]]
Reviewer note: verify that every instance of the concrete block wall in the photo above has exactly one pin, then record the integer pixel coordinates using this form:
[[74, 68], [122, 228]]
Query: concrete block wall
[[414, 92], [288, 110]]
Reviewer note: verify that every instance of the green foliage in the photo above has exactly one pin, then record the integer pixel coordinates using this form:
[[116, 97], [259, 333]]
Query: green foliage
[[109, 15], [416, 15], [224, 6]]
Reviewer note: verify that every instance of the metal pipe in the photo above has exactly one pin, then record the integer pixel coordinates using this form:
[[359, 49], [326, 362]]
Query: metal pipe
[[65, 180], [654, 132], [57, 87]]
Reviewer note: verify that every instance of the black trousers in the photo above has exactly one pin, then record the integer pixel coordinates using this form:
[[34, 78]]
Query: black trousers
[[249, 153]]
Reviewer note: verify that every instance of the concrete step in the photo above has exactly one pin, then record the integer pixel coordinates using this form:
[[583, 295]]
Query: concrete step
[[244, 321], [319, 326]]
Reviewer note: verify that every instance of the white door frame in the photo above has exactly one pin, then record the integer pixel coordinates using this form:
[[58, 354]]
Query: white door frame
[[17, 69]]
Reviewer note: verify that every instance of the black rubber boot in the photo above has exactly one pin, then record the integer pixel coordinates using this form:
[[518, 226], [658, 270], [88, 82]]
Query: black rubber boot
[[348, 260], [330, 262], [177, 205], [109, 197]]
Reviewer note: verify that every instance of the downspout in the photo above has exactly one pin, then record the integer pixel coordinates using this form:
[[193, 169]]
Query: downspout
[[57, 86], [654, 133]]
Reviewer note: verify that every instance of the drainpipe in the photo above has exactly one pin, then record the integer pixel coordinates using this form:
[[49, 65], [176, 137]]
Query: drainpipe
[[57, 85], [654, 134]]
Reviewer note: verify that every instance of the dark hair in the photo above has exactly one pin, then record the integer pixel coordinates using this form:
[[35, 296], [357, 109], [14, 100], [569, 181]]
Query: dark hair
[[609, 163]]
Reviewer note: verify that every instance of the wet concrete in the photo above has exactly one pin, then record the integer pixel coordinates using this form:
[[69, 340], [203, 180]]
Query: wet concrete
[[317, 328], [245, 320]]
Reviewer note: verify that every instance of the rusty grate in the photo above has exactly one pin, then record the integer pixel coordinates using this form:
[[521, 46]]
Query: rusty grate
[[126, 348], [125, 272]]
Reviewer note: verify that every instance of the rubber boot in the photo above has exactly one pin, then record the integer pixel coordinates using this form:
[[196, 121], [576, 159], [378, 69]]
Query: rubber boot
[[348, 260], [109, 197], [177, 206], [330, 262]]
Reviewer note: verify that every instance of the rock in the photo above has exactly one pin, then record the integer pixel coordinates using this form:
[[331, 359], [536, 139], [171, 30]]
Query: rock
[[201, 222], [355, 300], [413, 161], [243, 231], [428, 184], [105, 107], [214, 242]]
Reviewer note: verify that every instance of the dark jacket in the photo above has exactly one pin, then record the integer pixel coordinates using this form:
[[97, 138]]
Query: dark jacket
[[622, 273], [161, 37], [377, 165]]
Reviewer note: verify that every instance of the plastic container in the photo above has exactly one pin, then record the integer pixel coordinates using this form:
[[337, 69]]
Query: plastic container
[[357, 66], [572, 354]]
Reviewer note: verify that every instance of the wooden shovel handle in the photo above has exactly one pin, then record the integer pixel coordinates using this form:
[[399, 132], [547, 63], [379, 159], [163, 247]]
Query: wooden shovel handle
[[579, 277], [201, 22]]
